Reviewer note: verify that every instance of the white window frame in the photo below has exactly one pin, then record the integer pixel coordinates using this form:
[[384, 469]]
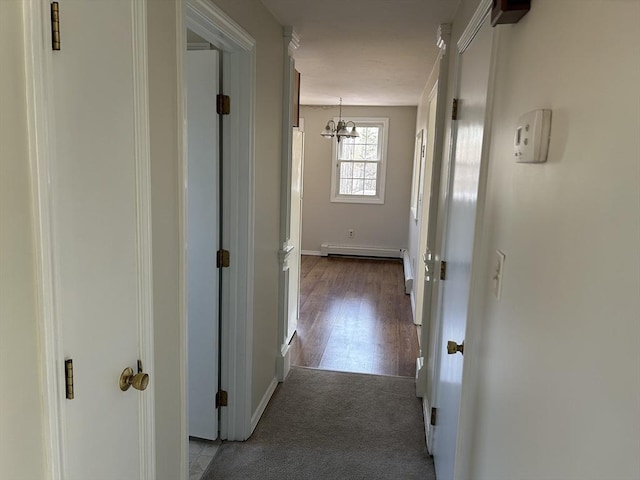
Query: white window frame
[[378, 198]]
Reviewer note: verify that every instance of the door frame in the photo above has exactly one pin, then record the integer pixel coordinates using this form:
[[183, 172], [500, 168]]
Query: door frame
[[41, 139], [428, 362], [238, 50], [470, 367], [291, 41]]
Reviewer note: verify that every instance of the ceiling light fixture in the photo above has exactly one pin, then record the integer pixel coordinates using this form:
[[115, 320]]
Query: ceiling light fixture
[[341, 130]]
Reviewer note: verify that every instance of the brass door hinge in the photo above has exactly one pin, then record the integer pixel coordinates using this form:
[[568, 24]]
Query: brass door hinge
[[443, 270], [55, 26], [68, 377], [454, 109], [223, 258], [434, 415], [222, 399], [223, 104]]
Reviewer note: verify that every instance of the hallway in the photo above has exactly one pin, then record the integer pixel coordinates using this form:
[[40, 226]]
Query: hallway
[[332, 425], [354, 317]]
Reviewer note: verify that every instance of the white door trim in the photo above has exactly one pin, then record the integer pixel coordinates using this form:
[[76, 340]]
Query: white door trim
[[238, 60], [38, 73], [437, 208], [142, 145], [39, 89], [291, 41]]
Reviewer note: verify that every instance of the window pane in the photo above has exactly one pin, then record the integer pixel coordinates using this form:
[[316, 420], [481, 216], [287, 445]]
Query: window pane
[[369, 187], [358, 170], [358, 187], [359, 152], [346, 170], [345, 151], [345, 187], [371, 170], [371, 152], [370, 135]]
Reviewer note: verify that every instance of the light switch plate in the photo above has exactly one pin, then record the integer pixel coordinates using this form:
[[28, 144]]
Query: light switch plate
[[531, 140], [498, 271]]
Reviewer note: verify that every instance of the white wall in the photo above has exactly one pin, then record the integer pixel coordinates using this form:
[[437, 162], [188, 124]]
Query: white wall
[[21, 422], [558, 395], [374, 225]]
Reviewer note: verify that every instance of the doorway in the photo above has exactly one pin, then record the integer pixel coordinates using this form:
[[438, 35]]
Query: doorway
[[236, 59], [352, 250]]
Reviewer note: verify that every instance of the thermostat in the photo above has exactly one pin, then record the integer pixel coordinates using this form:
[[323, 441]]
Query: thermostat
[[531, 141]]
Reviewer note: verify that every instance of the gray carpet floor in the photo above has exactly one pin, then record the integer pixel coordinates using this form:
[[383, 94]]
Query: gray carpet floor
[[332, 425]]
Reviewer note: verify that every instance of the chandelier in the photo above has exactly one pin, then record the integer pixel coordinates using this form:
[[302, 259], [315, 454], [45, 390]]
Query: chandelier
[[341, 130]]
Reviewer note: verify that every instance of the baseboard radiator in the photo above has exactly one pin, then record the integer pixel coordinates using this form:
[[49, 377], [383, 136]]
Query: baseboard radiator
[[359, 251], [408, 273]]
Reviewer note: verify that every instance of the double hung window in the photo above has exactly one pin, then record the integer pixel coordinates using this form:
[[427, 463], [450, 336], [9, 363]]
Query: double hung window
[[360, 163]]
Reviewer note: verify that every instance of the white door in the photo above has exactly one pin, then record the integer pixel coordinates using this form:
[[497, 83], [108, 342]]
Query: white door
[[427, 240], [100, 226], [296, 230], [202, 241], [459, 240]]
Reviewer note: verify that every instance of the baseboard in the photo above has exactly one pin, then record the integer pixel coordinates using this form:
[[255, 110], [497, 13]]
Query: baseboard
[[408, 272], [283, 362], [255, 418], [421, 381], [359, 251], [428, 428], [313, 253], [421, 392]]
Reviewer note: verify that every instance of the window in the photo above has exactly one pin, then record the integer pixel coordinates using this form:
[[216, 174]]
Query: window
[[360, 163]]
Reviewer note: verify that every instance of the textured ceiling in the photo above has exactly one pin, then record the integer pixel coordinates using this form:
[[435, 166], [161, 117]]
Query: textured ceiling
[[369, 52]]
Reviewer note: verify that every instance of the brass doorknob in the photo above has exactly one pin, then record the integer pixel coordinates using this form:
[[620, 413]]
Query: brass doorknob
[[139, 380], [453, 347]]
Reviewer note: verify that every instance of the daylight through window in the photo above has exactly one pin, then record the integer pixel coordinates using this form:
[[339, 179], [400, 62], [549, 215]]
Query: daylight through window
[[360, 164]]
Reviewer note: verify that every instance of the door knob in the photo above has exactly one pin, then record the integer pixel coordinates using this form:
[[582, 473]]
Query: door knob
[[453, 347], [139, 380]]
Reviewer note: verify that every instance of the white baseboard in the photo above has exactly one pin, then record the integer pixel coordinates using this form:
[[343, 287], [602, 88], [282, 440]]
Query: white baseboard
[[416, 321], [359, 251], [421, 381], [283, 362], [255, 418], [428, 428], [313, 253], [421, 392], [408, 272]]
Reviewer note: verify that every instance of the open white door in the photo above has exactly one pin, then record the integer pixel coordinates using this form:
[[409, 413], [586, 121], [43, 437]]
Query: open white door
[[297, 148], [99, 204], [202, 79], [474, 67]]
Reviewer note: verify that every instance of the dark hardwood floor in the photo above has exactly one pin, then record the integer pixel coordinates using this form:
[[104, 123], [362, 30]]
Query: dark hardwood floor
[[354, 317]]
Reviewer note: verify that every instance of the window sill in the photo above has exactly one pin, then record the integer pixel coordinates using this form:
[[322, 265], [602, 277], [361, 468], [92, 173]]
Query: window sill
[[358, 199]]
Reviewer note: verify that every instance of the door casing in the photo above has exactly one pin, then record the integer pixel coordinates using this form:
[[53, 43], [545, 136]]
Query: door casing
[[237, 49]]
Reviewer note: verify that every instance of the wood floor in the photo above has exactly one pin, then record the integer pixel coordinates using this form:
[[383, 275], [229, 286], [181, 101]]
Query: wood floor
[[354, 317]]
